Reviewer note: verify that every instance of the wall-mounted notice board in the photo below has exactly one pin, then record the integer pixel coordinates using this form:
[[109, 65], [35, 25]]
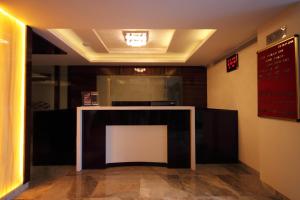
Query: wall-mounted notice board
[[278, 80]]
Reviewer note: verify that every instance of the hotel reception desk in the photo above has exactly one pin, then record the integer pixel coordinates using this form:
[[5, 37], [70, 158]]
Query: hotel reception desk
[[141, 135]]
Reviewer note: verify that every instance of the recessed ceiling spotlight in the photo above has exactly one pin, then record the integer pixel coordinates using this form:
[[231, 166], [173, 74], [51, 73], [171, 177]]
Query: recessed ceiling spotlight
[[3, 41], [86, 44], [136, 38]]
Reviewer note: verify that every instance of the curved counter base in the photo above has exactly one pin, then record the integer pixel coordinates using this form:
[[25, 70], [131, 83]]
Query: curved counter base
[[128, 164], [91, 132]]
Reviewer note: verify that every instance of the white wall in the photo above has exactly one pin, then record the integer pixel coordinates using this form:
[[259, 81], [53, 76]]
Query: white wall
[[270, 146]]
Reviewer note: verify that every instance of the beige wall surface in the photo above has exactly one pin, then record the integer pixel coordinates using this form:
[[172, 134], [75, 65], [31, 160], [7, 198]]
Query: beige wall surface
[[280, 140], [270, 146], [125, 143], [237, 90]]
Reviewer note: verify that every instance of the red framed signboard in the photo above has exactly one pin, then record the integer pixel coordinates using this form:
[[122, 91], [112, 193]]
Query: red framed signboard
[[278, 80], [232, 63]]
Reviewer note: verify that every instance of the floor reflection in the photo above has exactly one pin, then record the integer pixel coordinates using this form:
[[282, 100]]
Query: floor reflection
[[208, 182]]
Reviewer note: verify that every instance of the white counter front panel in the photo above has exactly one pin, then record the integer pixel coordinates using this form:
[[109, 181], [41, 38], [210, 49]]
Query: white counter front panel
[[133, 143]]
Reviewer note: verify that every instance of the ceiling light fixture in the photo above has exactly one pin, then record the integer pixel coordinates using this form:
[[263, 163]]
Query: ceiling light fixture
[[140, 70], [136, 38]]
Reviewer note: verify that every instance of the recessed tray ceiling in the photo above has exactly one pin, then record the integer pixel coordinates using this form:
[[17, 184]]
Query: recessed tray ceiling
[[108, 45]]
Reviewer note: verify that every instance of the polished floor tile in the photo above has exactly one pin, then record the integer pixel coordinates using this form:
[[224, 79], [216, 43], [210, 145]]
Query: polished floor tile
[[208, 182]]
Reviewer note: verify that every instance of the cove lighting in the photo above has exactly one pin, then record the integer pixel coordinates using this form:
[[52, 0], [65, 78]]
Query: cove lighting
[[195, 38], [12, 83], [136, 39]]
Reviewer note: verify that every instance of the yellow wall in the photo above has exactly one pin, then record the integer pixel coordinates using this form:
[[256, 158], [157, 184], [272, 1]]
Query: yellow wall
[[12, 85], [270, 146]]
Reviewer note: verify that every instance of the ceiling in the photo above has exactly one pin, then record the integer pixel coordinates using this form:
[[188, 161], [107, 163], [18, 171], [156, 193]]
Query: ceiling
[[109, 45], [235, 22]]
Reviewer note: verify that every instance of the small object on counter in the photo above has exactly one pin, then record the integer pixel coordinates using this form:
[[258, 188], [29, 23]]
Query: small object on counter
[[94, 97], [89, 98]]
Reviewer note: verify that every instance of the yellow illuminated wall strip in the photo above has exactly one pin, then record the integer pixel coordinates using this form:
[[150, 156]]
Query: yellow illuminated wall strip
[[12, 102]]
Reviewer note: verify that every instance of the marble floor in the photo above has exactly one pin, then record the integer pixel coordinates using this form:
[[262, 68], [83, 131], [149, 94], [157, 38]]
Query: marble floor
[[208, 182]]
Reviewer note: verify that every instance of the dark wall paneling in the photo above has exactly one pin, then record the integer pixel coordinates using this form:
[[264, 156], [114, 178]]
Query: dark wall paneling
[[54, 137], [43, 46], [216, 136], [57, 87], [83, 78], [80, 79], [94, 136], [194, 87], [150, 71], [28, 112]]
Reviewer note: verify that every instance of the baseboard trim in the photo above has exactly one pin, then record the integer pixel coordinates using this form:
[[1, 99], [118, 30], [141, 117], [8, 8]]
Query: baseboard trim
[[267, 186], [13, 194], [275, 192], [251, 169]]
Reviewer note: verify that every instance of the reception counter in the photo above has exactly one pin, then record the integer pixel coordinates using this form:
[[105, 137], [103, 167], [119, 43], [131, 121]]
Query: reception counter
[[138, 135]]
